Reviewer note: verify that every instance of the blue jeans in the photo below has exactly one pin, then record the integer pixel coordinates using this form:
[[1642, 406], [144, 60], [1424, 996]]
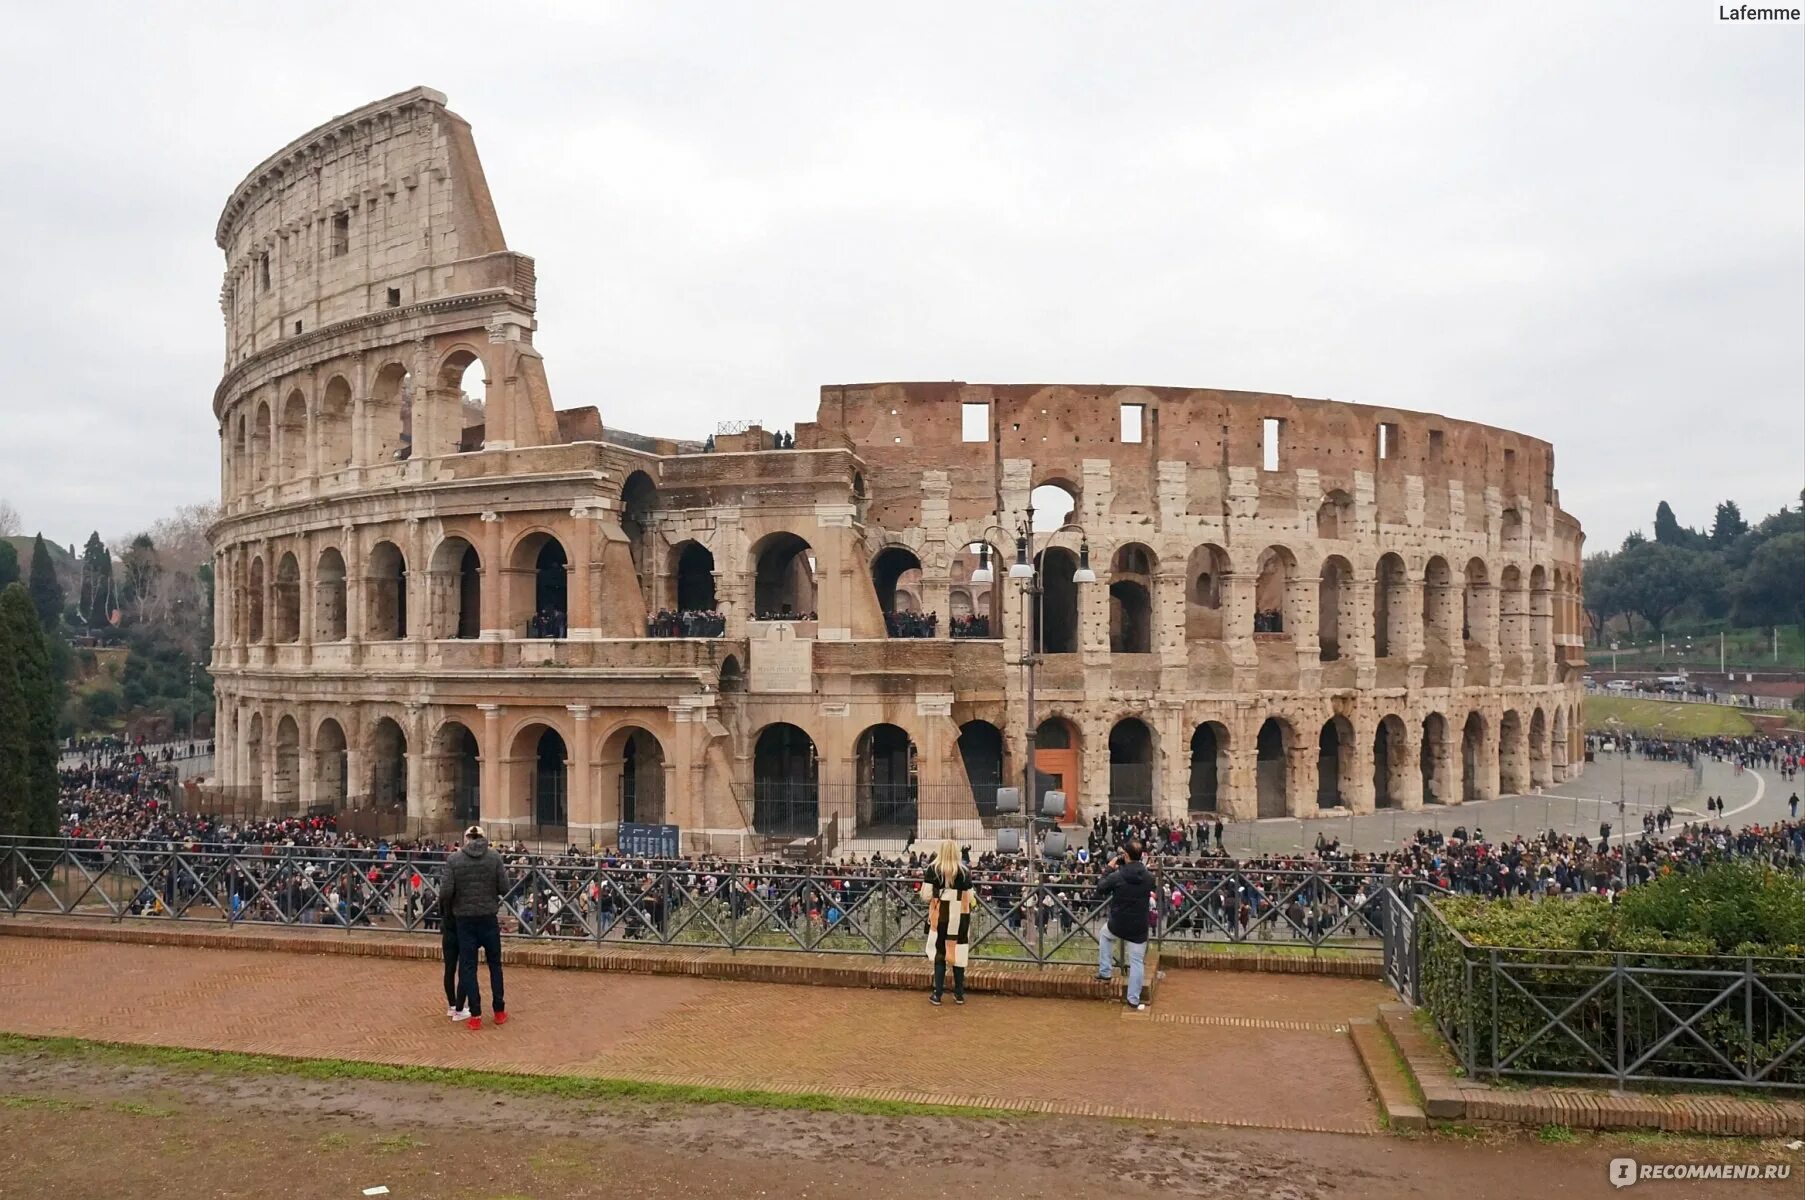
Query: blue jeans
[[480, 933], [1137, 961]]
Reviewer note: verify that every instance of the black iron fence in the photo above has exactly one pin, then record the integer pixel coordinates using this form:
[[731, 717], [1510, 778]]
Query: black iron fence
[[1625, 1017], [847, 909]]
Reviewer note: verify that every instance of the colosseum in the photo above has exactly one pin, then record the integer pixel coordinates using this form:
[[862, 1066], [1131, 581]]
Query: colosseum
[[440, 596]]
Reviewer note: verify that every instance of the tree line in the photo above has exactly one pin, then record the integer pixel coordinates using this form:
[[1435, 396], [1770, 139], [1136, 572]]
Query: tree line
[[1748, 575]]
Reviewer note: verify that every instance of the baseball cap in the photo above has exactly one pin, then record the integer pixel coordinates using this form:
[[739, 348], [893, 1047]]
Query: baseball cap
[[475, 831]]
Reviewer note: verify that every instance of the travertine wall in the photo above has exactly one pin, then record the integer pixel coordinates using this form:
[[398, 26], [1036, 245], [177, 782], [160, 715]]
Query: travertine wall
[[1392, 597]]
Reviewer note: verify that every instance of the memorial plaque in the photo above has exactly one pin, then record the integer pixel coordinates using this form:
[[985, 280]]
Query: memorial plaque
[[781, 661]]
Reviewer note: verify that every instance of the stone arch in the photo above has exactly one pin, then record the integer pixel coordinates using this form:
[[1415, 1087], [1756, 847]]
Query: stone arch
[[463, 376], [1513, 754], [958, 604], [1131, 767], [638, 503], [1210, 765], [286, 779], [1334, 516], [333, 433], [538, 586], [981, 753], [1055, 621], [262, 444], [1335, 606], [288, 599], [1539, 773], [1131, 618], [786, 799], [1510, 526], [632, 765], [331, 786], [1273, 601], [1439, 598], [254, 607], [885, 781], [291, 437], [456, 589], [692, 566], [385, 590], [539, 770], [1391, 763], [1204, 570], [982, 565], [329, 596], [389, 415], [1054, 501], [893, 569], [783, 577], [457, 758], [1391, 608], [731, 678], [1435, 761], [1473, 764], [1334, 762], [1272, 768], [388, 765]]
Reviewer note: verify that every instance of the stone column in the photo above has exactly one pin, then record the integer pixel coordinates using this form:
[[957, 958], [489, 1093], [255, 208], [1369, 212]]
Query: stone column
[[418, 802], [1360, 639], [583, 818], [1358, 788], [1303, 623], [497, 806]]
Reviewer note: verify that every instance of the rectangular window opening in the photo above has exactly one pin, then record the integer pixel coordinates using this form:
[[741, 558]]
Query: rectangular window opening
[[297, 327], [974, 422], [1435, 445], [1132, 416], [1510, 465], [263, 272], [1271, 429], [341, 234], [1388, 440], [394, 297]]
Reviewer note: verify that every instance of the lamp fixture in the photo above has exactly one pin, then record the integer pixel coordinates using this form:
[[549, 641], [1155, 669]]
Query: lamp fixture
[[1084, 574]]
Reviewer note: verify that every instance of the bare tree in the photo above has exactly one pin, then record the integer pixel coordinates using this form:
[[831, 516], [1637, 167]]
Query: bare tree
[[9, 520]]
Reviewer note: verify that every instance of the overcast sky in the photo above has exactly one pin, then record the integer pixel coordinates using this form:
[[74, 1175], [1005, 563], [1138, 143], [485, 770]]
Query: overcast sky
[[1584, 221]]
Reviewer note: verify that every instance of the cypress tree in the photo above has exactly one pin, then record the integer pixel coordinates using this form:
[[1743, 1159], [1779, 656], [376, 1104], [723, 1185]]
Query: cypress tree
[[46, 592], [33, 747], [9, 563], [15, 745], [96, 583]]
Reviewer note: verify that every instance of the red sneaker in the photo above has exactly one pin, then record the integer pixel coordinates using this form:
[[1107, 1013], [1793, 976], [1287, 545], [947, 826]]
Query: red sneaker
[[474, 1023], [501, 1018]]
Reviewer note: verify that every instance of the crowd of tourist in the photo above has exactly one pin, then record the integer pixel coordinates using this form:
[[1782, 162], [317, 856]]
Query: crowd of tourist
[[784, 614], [548, 623], [1269, 620], [686, 623], [911, 624], [971, 627]]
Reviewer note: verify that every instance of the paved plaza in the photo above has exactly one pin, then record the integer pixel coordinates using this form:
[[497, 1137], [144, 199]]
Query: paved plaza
[[1209, 1051]]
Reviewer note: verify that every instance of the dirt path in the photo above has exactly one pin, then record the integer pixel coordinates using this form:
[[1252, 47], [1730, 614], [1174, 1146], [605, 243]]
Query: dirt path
[[74, 1127]]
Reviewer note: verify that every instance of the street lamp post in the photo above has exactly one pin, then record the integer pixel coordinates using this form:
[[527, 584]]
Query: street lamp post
[[1026, 571]]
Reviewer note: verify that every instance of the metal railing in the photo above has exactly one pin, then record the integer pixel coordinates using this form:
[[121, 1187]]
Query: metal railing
[[846, 909], [1623, 1017]]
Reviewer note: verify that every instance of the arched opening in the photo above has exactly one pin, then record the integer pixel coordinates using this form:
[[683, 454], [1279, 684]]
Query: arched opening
[[1272, 769], [637, 759], [539, 576], [461, 761], [240, 445], [1433, 761], [1335, 605], [286, 780], [1472, 758], [457, 590], [732, 678], [1053, 503], [958, 604], [884, 768], [1391, 763], [388, 766], [1438, 608], [1204, 569], [255, 607], [1333, 516], [1272, 592], [386, 592], [1334, 762], [1540, 624], [783, 578], [465, 377], [334, 438], [1475, 613], [288, 599], [1130, 600], [1513, 755], [1539, 775], [1391, 608], [1130, 767], [389, 415], [981, 750], [1511, 525], [1056, 608], [263, 429], [785, 783], [984, 618], [1209, 766], [291, 438], [695, 578], [1058, 762], [330, 785], [329, 597], [896, 574], [541, 751], [638, 501]]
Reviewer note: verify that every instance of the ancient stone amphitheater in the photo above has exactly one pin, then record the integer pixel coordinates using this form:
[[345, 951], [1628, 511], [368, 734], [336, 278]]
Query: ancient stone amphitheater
[[440, 596]]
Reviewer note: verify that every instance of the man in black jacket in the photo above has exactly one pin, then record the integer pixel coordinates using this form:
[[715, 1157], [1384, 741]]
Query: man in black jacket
[[470, 891], [1129, 888]]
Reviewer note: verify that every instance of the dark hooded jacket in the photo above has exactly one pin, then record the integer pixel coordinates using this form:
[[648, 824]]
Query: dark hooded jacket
[[474, 882], [1130, 891]]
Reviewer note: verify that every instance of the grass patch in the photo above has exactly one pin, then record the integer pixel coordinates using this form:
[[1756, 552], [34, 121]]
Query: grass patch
[[1555, 1133], [334, 1141], [395, 1143], [567, 1087], [42, 1103], [136, 1109], [1664, 717]]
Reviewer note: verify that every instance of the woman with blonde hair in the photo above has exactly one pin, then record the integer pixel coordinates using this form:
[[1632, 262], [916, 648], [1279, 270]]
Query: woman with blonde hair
[[948, 891]]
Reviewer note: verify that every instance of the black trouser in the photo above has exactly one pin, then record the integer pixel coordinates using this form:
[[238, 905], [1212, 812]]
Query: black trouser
[[448, 949], [940, 978], [483, 932]]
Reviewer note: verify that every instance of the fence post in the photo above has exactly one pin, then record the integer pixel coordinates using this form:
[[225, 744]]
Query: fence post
[[1748, 1017], [1492, 974], [1466, 1048], [1617, 969]]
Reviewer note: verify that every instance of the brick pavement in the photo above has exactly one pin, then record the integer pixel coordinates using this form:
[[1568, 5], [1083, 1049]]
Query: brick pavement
[[1220, 1048]]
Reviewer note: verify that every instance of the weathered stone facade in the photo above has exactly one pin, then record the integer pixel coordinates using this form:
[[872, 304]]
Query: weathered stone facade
[[388, 558]]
